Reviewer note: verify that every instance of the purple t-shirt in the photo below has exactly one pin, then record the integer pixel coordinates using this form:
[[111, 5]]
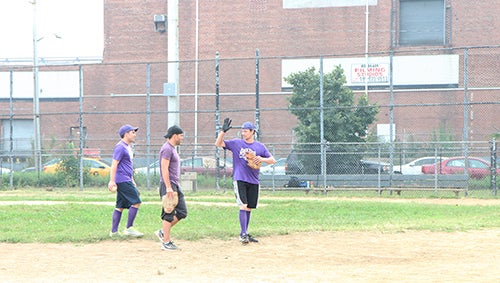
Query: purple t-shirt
[[241, 171], [167, 151], [123, 153]]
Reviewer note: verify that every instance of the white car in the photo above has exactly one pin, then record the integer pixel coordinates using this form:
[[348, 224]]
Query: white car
[[415, 167], [201, 165], [154, 169], [4, 170], [277, 168]]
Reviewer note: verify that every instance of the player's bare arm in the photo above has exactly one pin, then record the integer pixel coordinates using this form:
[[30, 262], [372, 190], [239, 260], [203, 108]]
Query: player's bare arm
[[112, 174], [165, 163], [220, 140], [268, 160]]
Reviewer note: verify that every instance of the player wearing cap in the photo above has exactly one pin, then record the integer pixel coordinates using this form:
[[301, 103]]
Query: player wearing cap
[[121, 179], [170, 170], [245, 178]]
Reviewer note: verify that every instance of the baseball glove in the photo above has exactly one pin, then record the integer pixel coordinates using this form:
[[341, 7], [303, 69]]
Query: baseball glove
[[169, 204], [251, 162]]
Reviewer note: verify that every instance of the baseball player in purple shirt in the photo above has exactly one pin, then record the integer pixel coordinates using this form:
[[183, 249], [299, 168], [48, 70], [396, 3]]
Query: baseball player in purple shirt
[[245, 179], [170, 165], [121, 179]]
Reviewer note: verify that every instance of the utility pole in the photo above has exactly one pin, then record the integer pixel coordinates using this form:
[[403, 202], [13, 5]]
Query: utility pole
[[173, 61], [36, 96]]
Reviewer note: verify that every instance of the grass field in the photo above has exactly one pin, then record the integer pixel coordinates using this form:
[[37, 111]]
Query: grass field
[[71, 215]]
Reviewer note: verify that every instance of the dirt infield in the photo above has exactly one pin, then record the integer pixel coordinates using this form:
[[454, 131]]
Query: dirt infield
[[303, 257]]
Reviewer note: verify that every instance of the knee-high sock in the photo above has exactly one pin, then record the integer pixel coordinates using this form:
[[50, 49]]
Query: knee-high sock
[[132, 213], [117, 216], [248, 218], [243, 221]]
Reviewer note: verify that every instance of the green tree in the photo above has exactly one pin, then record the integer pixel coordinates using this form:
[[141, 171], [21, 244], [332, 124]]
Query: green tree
[[343, 120]]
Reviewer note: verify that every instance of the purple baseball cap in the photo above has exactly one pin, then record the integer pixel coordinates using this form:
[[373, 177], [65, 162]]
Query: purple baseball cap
[[248, 126], [126, 128]]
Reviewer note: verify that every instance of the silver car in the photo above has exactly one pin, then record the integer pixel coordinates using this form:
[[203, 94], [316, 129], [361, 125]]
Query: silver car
[[415, 167]]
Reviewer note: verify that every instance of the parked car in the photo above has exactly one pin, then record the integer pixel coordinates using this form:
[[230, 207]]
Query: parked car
[[96, 166], [477, 168], [293, 166], [488, 159], [206, 166], [200, 165], [374, 167], [28, 169], [51, 165], [277, 168], [336, 164], [415, 167], [48, 163], [4, 170], [154, 169]]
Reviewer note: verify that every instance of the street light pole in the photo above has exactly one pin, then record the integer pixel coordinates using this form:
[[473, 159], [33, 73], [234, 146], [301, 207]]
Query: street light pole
[[173, 61], [36, 97]]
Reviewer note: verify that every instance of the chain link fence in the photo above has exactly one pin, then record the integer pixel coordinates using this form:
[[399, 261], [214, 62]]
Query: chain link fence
[[431, 103]]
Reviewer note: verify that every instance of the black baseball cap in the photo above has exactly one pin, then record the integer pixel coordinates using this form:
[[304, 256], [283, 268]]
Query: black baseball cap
[[174, 130]]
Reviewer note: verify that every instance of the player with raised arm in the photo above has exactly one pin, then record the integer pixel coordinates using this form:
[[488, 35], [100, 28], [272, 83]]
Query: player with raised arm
[[248, 155]]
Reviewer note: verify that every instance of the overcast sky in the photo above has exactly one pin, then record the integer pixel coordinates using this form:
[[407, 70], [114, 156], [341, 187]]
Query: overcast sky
[[79, 23]]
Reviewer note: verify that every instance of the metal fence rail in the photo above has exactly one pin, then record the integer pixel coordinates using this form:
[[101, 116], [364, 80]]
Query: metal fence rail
[[82, 112]]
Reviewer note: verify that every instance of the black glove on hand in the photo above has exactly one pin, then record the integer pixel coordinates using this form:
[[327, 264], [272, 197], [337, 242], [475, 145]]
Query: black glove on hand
[[227, 125]]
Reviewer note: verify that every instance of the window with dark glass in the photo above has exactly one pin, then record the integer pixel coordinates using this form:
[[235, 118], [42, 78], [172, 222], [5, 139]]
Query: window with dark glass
[[422, 22]]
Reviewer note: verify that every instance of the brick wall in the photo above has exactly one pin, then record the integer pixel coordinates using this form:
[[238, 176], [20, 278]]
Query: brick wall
[[236, 29]]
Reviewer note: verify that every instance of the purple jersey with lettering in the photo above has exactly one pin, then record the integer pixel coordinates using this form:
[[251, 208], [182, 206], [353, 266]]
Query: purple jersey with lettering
[[167, 151], [241, 171], [125, 169]]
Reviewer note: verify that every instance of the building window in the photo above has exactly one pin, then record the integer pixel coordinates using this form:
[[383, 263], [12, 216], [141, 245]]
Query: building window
[[22, 136], [422, 22]]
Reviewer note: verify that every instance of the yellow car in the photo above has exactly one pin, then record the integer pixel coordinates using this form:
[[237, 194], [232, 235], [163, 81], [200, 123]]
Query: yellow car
[[96, 167], [51, 166]]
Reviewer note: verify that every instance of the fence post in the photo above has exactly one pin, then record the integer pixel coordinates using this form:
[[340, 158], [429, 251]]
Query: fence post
[[257, 96], [217, 121], [437, 167], [148, 122], [493, 168], [465, 134], [80, 126], [322, 124]]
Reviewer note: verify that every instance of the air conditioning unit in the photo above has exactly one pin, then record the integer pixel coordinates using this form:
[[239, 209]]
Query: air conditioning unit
[[160, 23], [160, 18]]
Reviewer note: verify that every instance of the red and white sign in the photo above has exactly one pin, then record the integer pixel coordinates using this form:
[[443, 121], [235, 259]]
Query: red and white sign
[[376, 73]]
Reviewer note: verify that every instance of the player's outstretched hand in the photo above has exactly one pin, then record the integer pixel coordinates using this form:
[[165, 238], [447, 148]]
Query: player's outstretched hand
[[227, 125]]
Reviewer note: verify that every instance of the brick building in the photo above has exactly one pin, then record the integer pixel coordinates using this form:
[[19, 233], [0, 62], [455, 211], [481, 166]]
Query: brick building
[[426, 41]]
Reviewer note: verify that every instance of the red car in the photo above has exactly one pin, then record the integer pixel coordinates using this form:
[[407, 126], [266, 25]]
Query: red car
[[477, 167]]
